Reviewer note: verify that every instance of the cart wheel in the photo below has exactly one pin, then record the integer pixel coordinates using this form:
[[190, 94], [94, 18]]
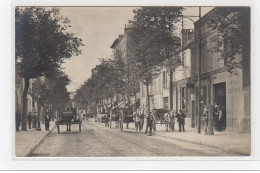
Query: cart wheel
[[79, 127]]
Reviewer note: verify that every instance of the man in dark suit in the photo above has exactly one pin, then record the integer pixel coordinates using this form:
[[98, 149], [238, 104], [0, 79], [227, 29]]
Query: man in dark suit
[[17, 119], [181, 120]]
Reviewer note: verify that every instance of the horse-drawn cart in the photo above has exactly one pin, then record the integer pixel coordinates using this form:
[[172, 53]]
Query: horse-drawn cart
[[67, 118]]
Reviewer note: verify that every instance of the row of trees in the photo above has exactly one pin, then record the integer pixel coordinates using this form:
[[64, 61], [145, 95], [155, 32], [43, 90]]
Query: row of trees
[[42, 43], [151, 46], [151, 42]]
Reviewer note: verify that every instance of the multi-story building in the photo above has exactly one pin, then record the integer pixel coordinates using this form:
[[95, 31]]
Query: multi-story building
[[227, 89], [159, 95]]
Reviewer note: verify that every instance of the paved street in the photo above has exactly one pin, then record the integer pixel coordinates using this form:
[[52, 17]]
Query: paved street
[[95, 140]]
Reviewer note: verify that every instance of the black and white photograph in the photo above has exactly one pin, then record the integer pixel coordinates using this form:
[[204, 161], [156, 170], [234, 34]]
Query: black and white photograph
[[141, 81]]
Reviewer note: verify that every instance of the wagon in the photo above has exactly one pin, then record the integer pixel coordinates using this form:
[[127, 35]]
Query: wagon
[[159, 115], [67, 118]]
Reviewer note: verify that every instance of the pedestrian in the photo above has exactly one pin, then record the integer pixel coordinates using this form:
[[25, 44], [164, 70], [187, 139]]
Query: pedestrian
[[219, 125], [29, 118], [47, 122], [34, 120], [181, 120], [17, 119], [149, 124], [172, 120], [205, 117], [215, 116]]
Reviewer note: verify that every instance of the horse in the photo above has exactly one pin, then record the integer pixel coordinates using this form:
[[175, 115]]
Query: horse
[[169, 121], [114, 116], [139, 121]]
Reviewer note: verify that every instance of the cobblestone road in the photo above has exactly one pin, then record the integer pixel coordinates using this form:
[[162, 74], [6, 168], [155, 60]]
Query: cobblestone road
[[95, 140]]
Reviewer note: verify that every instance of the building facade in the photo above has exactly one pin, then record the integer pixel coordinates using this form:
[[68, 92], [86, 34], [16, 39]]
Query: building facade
[[225, 88]]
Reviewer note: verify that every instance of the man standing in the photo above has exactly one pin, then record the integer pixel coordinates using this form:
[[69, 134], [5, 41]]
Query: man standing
[[205, 117], [29, 117], [181, 120], [47, 122], [150, 119], [17, 119]]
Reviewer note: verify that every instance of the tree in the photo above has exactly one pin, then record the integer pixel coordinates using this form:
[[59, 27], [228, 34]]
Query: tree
[[152, 41], [42, 43], [51, 90], [233, 26]]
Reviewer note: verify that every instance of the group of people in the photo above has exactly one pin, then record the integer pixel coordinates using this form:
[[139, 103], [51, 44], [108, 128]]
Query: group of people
[[217, 118], [168, 117], [32, 120]]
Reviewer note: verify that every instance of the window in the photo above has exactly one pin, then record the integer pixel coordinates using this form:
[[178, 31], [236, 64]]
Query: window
[[183, 98], [164, 80]]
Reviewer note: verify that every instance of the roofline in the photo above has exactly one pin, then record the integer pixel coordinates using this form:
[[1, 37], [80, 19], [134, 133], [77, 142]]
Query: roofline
[[114, 43], [206, 16]]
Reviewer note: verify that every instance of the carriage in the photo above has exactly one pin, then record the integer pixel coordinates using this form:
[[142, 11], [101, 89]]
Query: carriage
[[68, 117], [120, 116], [159, 115]]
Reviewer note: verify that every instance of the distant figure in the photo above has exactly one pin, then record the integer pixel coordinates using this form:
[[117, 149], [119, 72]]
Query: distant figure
[[17, 119], [34, 120], [219, 125], [29, 118], [215, 116], [47, 122], [181, 120], [205, 116]]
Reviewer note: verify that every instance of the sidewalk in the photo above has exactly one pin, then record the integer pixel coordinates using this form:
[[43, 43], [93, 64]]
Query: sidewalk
[[239, 143], [27, 141]]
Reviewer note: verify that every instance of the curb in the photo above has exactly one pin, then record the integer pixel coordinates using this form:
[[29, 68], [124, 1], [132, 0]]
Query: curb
[[37, 144], [203, 144]]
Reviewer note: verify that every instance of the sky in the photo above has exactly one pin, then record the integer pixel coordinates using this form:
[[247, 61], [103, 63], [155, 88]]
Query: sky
[[98, 27]]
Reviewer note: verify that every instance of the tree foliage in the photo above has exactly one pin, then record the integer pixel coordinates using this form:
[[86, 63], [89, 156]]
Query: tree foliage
[[233, 26], [152, 41], [42, 43]]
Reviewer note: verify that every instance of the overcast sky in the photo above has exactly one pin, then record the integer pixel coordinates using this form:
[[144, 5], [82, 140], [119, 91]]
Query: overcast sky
[[98, 27]]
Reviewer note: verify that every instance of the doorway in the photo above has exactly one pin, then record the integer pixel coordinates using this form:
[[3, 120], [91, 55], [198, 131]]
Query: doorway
[[220, 100]]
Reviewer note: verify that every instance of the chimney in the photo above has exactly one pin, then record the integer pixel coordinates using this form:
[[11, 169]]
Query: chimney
[[125, 30], [187, 35]]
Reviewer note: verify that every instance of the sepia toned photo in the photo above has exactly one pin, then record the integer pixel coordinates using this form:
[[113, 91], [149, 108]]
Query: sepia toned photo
[[148, 81]]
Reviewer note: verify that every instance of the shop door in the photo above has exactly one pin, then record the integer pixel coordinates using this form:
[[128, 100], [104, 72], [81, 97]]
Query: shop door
[[220, 100]]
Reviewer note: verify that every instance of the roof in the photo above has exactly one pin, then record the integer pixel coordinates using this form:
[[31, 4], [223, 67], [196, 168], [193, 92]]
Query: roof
[[114, 43]]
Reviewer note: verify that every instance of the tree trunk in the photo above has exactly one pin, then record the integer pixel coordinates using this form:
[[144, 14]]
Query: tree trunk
[[147, 99], [25, 92], [171, 91]]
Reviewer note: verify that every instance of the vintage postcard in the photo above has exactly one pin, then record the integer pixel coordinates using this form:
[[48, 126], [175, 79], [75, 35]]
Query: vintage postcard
[[132, 81]]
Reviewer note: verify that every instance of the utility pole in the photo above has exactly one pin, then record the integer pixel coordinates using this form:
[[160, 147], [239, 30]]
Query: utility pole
[[199, 63]]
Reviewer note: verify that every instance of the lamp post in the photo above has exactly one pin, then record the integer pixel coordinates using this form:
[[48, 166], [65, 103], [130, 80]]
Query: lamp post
[[199, 71], [199, 68]]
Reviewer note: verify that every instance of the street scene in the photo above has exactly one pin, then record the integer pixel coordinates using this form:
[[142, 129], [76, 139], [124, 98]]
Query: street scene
[[132, 81]]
